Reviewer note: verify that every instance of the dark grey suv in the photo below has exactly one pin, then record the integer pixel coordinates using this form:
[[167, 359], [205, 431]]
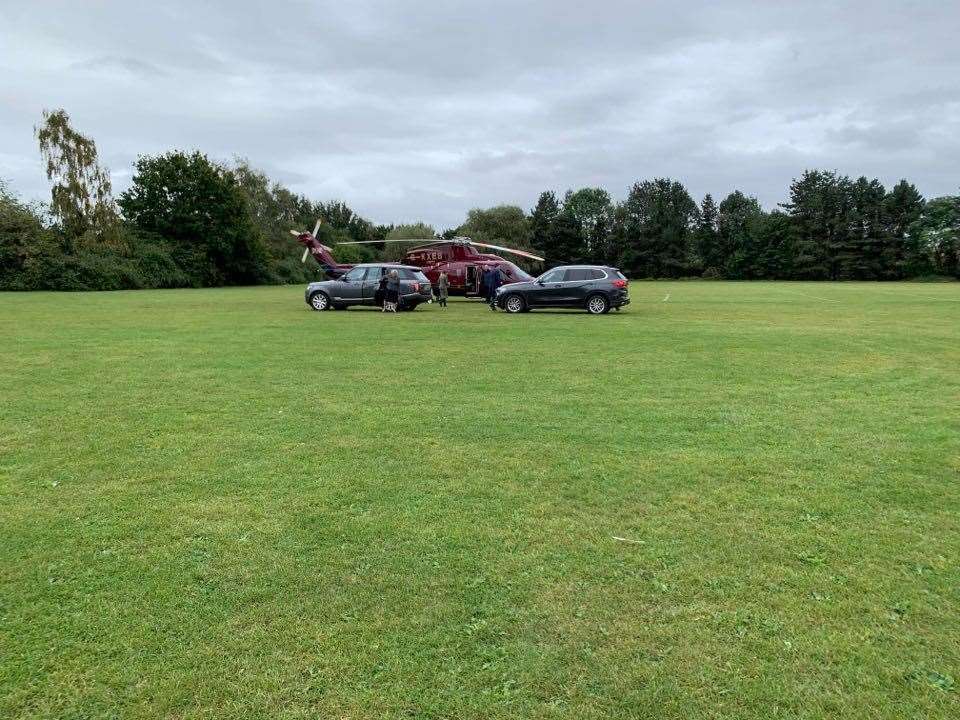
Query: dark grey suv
[[360, 286], [595, 288]]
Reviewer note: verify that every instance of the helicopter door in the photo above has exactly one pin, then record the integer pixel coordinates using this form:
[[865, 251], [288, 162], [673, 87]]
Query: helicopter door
[[472, 285]]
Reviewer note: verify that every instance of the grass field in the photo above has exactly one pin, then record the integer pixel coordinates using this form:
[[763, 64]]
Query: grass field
[[730, 500]]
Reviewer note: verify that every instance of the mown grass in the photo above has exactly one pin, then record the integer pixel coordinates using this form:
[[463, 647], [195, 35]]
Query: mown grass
[[730, 500]]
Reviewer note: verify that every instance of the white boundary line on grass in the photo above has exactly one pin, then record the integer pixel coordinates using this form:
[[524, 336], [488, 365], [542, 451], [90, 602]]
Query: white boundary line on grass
[[666, 298]]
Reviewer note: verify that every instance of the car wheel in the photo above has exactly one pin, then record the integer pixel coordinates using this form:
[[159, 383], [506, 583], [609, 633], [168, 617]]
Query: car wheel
[[597, 305], [514, 304], [319, 301]]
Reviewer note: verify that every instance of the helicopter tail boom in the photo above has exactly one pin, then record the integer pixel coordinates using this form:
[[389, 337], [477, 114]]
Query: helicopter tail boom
[[321, 253]]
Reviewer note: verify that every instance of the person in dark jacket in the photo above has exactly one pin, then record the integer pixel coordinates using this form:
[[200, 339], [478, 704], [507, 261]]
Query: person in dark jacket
[[493, 280], [380, 296], [485, 282]]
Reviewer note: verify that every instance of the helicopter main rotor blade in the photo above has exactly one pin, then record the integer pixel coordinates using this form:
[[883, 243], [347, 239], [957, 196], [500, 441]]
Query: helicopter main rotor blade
[[297, 233], [521, 253], [306, 252], [431, 241], [317, 227]]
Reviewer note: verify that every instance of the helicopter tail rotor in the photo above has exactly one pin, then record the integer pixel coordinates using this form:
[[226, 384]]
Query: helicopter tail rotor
[[310, 242]]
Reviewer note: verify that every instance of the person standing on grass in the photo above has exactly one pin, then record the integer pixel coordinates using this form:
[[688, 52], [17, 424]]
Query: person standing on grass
[[488, 285], [393, 292], [380, 297], [494, 280], [443, 288]]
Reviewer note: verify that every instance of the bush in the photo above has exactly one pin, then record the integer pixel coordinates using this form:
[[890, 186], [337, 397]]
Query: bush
[[23, 242], [932, 278], [288, 271], [156, 263]]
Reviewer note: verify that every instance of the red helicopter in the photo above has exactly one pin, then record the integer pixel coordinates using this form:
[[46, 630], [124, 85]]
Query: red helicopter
[[458, 258]]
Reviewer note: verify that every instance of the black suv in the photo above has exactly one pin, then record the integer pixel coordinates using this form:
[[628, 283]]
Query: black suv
[[595, 288], [359, 286]]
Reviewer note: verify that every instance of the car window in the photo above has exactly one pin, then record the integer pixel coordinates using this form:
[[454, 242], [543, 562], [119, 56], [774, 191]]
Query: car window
[[420, 276], [595, 274], [621, 275], [553, 276], [405, 273], [354, 274], [373, 274], [577, 274]]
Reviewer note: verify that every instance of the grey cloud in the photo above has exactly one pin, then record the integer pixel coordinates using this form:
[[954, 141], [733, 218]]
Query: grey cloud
[[125, 65], [412, 110]]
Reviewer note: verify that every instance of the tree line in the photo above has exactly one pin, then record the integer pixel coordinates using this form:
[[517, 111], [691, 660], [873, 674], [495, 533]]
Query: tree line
[[186, 221], [831, 228]]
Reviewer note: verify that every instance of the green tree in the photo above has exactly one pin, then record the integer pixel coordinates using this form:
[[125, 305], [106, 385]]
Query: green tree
[[541, 222], [393, 251], [199, 208], [592, 209], [774, 248], [273, 208], [80, 198], [501, 225], [902, 254], [707, 239], [412, 231], [565, 242], [658, 219], [820, 206], [274, 211], [869, 230], [737, 220], [938, 236]]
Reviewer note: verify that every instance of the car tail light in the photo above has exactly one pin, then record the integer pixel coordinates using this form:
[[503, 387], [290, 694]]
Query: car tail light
[[620, 283]]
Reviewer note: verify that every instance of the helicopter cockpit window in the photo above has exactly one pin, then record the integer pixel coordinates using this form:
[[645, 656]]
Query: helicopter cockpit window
[[515, 272]]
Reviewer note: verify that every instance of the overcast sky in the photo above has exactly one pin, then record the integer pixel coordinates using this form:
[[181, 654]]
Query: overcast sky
[[422, 110]]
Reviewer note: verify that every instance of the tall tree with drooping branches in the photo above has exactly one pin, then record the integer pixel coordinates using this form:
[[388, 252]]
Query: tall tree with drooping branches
[[81, 197]]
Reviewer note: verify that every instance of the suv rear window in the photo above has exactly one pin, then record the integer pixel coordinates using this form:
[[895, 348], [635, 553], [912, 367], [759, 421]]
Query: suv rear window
[[574, 274]]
